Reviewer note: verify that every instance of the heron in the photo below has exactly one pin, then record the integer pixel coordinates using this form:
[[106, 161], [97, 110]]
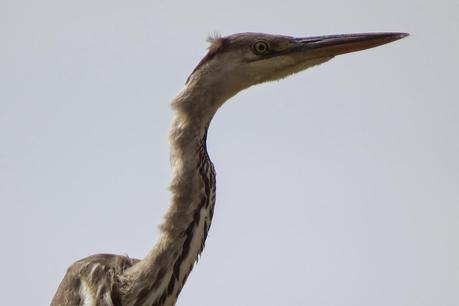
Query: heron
[[232, 64]]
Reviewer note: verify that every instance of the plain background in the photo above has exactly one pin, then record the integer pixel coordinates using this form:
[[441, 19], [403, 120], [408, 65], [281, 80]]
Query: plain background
[[337, 186]]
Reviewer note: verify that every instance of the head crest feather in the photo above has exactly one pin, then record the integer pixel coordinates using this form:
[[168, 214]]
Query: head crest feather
[[216, 44]]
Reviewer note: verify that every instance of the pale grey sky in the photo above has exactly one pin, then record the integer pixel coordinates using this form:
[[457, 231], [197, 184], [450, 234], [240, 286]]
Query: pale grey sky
[[337, 186]]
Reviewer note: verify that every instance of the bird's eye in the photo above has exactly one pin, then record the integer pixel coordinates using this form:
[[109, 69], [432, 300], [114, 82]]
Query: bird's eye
[[261, 47]]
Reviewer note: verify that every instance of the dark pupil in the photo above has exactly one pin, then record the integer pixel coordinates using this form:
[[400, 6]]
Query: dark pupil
[[261, 47]]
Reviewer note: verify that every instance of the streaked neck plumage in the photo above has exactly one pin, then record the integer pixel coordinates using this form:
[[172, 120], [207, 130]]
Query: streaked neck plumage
[[159, 277]]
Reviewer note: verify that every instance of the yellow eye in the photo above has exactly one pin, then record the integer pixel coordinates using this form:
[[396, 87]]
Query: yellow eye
[[261, 47]]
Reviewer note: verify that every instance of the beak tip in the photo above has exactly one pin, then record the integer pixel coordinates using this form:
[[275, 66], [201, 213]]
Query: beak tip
[[402, 35]]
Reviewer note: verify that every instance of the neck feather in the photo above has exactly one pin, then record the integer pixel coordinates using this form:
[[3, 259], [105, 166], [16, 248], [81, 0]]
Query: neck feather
[[159, 277]]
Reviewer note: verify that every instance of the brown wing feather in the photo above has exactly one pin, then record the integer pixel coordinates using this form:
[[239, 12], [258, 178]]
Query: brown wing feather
[[94, 277]]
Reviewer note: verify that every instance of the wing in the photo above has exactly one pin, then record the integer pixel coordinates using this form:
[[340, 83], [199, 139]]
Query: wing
[[93, 281]]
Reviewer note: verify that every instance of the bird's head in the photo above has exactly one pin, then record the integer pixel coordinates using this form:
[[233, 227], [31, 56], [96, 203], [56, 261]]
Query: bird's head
[[238, 61]]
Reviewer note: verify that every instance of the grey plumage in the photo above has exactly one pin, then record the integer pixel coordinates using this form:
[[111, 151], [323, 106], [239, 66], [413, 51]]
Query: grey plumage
[[232, 64]]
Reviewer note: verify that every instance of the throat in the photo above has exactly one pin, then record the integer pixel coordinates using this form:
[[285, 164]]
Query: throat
[[160, 276], [193, 198]]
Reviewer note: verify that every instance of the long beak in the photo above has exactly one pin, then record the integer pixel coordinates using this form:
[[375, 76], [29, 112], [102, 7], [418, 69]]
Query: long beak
[[332, 45]]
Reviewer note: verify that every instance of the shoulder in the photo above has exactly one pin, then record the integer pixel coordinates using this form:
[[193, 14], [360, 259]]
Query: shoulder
[[102, 262], [93, 277]]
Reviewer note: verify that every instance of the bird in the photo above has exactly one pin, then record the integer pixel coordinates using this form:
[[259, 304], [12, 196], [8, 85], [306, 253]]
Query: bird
[[232, 63]]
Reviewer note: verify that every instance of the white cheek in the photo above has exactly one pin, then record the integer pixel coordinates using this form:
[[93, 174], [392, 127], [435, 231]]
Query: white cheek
[[263, 70]]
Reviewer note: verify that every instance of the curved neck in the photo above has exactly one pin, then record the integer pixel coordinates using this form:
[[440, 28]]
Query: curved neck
[[159, 277]]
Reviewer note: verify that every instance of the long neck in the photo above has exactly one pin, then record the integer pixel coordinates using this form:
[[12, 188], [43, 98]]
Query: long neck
[[159, 277]]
